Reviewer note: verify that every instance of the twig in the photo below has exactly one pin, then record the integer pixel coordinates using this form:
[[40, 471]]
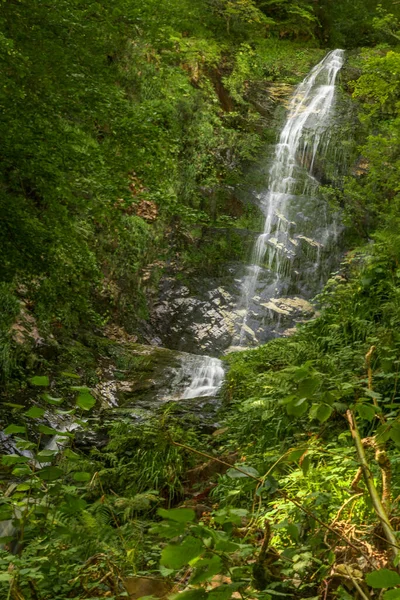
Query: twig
[[369, 481], [345, 504], [385, 540], [354, 582], [280, 493], [326, 582]]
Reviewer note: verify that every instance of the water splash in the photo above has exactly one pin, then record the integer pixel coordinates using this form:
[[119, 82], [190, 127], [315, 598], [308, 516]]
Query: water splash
[[207, 376], [304, 140]]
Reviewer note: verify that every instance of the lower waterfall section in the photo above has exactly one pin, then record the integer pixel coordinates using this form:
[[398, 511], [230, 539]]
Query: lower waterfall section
[[207, 375]]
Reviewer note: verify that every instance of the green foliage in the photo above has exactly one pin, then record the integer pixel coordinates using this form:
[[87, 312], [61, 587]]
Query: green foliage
[[210, 551], [140, 458], [351, 23], [383, 578]]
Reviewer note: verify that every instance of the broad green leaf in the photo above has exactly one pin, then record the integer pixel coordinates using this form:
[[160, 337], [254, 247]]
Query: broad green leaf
[[383, 433], [5, 576], [395, 433], [85, 401], [224, 591], [73, 504], [181, 515], [80, 388], [293, 531], [308, 386], [14, 429], [46, 455], [373, 394], [196, 594], [22, 471], [297, 408], [392, 594], [35, 412], [176, 556], [13, 405], [50, 473], [70, 375], [82, 476], [14, 459], [68, 453], [230, 515], [205, 569], [324, 412], [40, 380], [302, 372], [241, 573], [383, 578], [226, 546], [6, 512], [269, 486], [24, 444], [168, 529], [234, 474], [295, 455], [288, 399], [166, 572], [23, 487], [340, 407], [50, 400], [366, 411], [48, 430]]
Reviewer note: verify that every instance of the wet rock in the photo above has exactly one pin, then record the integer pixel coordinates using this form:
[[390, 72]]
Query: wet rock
[[201, 322], [291, 307]]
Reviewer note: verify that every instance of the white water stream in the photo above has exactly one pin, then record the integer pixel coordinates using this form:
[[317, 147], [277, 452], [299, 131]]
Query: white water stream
[[207, 376], [305, 138]]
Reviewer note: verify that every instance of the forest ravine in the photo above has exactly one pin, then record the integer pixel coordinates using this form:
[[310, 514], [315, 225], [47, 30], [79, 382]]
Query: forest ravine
[[140, 455]]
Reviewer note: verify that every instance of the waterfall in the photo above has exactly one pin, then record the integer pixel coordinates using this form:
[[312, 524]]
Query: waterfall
[[304, 138], [296, 224], [207, 376]]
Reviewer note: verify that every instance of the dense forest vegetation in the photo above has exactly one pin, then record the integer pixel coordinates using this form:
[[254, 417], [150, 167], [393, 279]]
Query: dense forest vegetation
[[125, 126]]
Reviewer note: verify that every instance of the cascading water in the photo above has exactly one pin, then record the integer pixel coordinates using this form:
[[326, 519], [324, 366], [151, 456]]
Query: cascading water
[[294, 224], [207, 377], [298, 233]]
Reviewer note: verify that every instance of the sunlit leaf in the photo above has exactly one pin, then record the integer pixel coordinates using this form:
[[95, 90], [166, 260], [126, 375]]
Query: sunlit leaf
[[85, 401], [181, 515], [13, 459], [195, 594], [176, 556], [51, 400], [205, 569], [324, 412], [70, 375], [82, 476], [40, 380], [224, 592], [383, 578], [366, 411], [47, 430], [248, 471], [35, 412], [14, 429], [392, 594], [50, 473]]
